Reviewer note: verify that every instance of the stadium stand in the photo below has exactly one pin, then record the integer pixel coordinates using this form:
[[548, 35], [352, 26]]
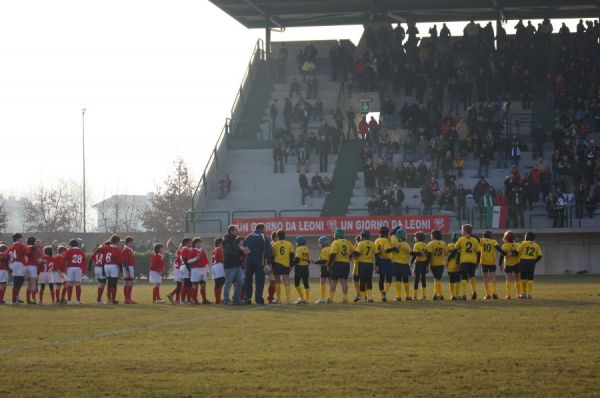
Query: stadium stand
[[466, 123]]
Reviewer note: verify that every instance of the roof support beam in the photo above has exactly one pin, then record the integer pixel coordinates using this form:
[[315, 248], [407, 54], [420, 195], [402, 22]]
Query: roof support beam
[[499, 9], [273, 20]]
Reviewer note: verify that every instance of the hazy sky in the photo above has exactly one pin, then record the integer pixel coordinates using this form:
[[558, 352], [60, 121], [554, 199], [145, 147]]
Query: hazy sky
[[157, 78]]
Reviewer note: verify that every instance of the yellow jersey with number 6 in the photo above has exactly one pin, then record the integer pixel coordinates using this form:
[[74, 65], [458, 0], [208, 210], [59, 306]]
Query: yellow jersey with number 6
[[282, 249]]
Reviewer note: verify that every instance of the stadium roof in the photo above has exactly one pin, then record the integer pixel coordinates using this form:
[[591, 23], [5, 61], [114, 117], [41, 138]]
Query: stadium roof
[[296, 13]]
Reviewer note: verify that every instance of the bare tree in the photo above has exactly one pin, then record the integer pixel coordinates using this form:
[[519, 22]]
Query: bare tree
[[53, 209], [3, 215], [168, 205], [118, 213]]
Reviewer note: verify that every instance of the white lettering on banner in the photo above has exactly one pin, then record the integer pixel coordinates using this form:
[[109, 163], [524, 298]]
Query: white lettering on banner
[[347, 224], [290, 225], [311, 226]]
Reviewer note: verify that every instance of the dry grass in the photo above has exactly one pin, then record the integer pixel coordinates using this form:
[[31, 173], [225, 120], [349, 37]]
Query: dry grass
[[544, 347]]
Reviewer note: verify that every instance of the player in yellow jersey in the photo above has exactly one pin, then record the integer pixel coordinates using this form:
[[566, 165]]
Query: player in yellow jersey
[[339, 263], [421, 261], [509, 263], [437, 259], [383, 261], [325, 274], [355, 278], [529, 255], [488, 248], [467, 247], [452, 266], [271, 275], [364, 253], [400, 262], [283, 259], [301, 263]]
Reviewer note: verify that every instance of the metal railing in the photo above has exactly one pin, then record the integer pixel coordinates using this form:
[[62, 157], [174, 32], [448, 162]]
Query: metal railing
[[258, 54]]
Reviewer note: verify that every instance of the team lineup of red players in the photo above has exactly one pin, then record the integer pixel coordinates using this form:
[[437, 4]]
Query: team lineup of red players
[[38, 266]]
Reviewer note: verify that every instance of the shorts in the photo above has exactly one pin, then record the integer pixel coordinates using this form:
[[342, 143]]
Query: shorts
[[527, 268], [18, 269], [325, 272], [385, 267], [74, 274], [279, 269], [111, 270], [46, 277], [100, 275], [31, 271], [512, 269], [3, 277], [198, 275], [454, 276], [365, 270], [402, 270], [155, 277], [340, 271], [488, 268], [421, 267], [301, 272], [128, 274], [178, 274], [467, 270], [58, 277], [185, 273], [438, 272], [218, 271]]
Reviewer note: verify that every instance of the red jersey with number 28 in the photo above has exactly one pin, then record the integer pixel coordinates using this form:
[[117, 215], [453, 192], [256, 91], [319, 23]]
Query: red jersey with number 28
[[75, 257]]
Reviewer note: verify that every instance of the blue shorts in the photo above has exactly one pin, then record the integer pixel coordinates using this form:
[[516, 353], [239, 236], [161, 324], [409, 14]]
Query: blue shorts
[[402, 270], [385, 267]]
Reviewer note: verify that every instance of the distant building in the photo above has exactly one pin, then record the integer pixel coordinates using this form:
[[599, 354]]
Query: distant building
[[121, 213], [14, 213]]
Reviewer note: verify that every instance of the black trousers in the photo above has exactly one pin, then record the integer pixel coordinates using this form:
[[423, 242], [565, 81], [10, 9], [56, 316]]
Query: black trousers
[[255, 270]]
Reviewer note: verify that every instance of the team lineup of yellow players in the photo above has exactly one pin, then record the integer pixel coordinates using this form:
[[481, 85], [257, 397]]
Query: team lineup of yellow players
[[391, 256]]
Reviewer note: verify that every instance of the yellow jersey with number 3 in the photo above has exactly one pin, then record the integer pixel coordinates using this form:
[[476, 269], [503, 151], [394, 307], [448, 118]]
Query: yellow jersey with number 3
[[437, 250], [402, 256], [366, 251], [342, 248], [282, 249], [488, 251], [303, 255], [529, 250], [468, 248]]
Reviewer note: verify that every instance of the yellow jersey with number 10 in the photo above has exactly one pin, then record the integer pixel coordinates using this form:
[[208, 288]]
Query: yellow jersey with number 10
[[488, 251]]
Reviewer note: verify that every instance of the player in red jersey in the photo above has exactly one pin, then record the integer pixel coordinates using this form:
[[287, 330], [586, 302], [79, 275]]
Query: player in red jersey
[[179, 271], [46, 275], [186, 253], [128, 260], [3, 271], [75, 263], [32, 261], [60, 275], [217, 269], [157, 269], [97, 259], [17, 254], [198, 270], [112, 266]]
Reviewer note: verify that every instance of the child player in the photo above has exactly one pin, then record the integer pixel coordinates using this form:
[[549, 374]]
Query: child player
[[301, 263], [325, 274], [488, 248], [157, 269]]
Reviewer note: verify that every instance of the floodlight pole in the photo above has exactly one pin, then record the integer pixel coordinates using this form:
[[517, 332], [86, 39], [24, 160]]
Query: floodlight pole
[[83, 162]]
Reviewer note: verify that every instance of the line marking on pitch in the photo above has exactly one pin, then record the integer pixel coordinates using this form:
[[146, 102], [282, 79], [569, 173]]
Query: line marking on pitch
[[127, 330]]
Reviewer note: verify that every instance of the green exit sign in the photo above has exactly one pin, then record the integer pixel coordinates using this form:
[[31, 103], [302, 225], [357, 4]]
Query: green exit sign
[[365, 105]]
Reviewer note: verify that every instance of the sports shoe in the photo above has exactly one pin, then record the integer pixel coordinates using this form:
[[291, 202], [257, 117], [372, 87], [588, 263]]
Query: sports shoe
[[474, 296], [356, 299], [452, 298], [210, 302], [529, 296], [329, 301], [441, 298], [32, 302], [522, 296], [2, 302], [398, 299], [299, 301], [159, 301], [487, 297], [78, 302], [170, 299], [494, 296], [464, 297], [508, 297], [384, 299], [114, 302], [422, 298], [275, 302], [99, 303], [370, 300], [409, 299], [319, 301], [435, 298]]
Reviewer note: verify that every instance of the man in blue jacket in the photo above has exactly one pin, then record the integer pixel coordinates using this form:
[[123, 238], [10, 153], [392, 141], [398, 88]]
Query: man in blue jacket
[[260, 254]]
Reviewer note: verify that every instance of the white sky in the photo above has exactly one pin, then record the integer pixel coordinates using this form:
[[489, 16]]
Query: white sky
[[157, 78]]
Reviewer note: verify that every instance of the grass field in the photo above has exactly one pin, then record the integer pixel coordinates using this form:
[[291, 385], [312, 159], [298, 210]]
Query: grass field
[[549, 346]]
